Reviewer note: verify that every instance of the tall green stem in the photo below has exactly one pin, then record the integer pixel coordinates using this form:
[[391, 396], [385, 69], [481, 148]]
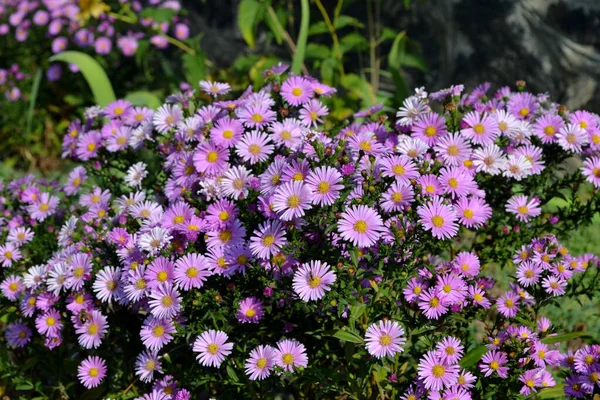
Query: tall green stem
[[302, 38]]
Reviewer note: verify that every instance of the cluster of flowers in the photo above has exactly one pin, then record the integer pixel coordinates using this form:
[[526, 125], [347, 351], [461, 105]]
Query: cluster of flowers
[[86, 24], [256, 186], [9, 79]]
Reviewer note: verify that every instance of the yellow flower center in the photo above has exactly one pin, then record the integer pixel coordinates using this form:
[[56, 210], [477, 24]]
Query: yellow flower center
[[92, 329], [150, 365], [434, 302], [509, 303], [261, 363], [503, 126], [250, 313], [385, 340], [314, 282], [140, 284], [93, 372], [225, 236], [44, 207], [158, 331], [438, 370], [468, 213], [479, 129], [191, 272], [287, 359], [366, 146], [167, 301], [360, 226], [430, 131], [450, 350], [91, 146], [549, 130], [437, 221], [523, 112], [397, 197], [583, 125], [162, 276], [213, 348], [285, 135], [13, 286], [178, 219], [254, 149], [50, 321], [523, 210], [293, 201], [297, 92], [227, 133], [257, 118], [212, 156], [298, 176], [494, 365], [453, 183], [268, 240], [398, 169], [452, 150], [78, 272]]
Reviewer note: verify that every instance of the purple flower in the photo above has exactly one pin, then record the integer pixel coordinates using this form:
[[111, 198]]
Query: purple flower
[[385, 339], [91, 371], [212, 347]]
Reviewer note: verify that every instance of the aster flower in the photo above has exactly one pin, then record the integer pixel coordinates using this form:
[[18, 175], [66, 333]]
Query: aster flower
[[191, 271], [287, 133], [291, 200], [268, 239], [92, 332], [256, 116], [402, 168], [167, 117], [254, 147], [481, 128], [9, 253], [547, 126], [155, 240], [385, 339], [106, 285], [145, 365], [210, 159], [91, 371], [214, 88], [412, 108], [450, 350], [290, 354], [508, 304], [226, 132], [296, 90], [572, 138], [438, 218], [397, 196], [435, 373], [432, 303], [472, 212], [156, 333], [311, 113], [360, 225], [591, 170], [11, 287], [49, 323], [453, 149], [523, 207], [517, 167], [260, 362], [429, 128], [554, 285], [494, 361], [135, 174], [212, 347], [17, 334], [44, 207], [312, 280], [250, 310], [164, 301], [324, 184]]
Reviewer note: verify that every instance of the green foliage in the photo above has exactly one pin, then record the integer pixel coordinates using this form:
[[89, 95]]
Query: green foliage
[[92, 72]]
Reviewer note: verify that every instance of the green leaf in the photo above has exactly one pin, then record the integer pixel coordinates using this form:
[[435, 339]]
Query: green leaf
[[275, 24], [144, 98], [564, 337], [348, 337], [394, 58], [248, 13], [232, 374], [317, 51], [328, 70], [298, 60], [473, 356], [556, 392], [318, 28], [34, 92], [24, 386], [354, 256], [414, 61], [93, 74], [159, 15], [345, 20], [330, 228], [353, 42], [194, 67]]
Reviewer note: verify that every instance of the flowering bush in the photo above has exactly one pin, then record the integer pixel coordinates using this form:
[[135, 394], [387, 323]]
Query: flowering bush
[[245, 248]]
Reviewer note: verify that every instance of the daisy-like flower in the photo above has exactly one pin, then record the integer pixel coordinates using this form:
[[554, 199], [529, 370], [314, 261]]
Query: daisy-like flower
[[397, 196], [191, 271], [547, 126], [530, 380], [472, 212], [481, 128], [165, 301], [435, 373], [507, 123], [9, 253], [250, 310], [528, 273], [456, 181], [256, 116], [287, 133], [17, 334], [360, 225], [554, 285], [489, 159], [508, 304], [590, 169], [517, 167], [311, 113], [11, 287], [325, 184], [429, 128], [92, 332], [433, 303], [106, 285], [260, 362], [212, 347], [412, 148], [156, 332], [450, 350], [135, 174], [226, 132], [522, 105], [402, 168], [268, 239], [20, 235], [313, 279], [235, 182], [494, 361], [291, 200], [412, 108], [44, 207], [88, 145], [296, 90], [572, 137], [145, 365], [214, 88], [49, 323], [76, 178], [255, 147], [91, 371], [211, 159], [453, 149], [154, 240], [167, 117], [438, 218], [523, 207], [290, 354], [385, 339]]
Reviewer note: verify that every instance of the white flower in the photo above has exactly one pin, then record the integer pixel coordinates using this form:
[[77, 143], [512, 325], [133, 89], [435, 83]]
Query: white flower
[[57, 278], [235, 182], [411, 109], [154, 240], [135, 174], [34, 276], [489, 159], [517, 167]]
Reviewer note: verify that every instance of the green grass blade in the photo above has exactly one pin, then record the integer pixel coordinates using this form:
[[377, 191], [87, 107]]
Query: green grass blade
[[302, 38], [34, 93], [144, 98], [92, 72]]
